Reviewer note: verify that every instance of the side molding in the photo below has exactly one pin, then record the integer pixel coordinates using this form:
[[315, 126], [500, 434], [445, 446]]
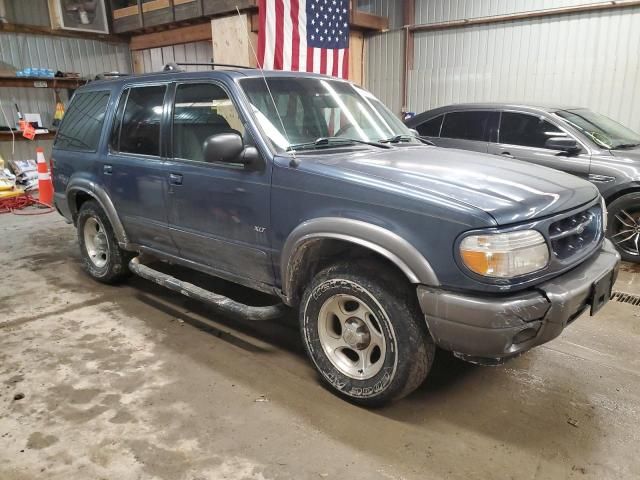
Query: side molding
[[380, 240], [89, 187]]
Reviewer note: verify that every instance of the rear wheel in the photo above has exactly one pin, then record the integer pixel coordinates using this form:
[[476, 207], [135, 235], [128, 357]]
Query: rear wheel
[[365, 334], [102, 258], [624, 226]]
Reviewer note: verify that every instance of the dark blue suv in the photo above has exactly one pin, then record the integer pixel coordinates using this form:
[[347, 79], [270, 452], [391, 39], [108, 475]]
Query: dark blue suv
[[309, 189]]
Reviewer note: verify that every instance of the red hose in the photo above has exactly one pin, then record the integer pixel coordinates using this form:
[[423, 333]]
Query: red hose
[[12, 204]]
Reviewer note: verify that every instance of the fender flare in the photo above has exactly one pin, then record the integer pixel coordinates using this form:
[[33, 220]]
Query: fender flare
[[100, 195], [373, 237]]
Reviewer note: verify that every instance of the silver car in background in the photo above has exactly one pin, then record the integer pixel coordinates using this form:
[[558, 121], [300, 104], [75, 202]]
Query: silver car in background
[[574, 140]]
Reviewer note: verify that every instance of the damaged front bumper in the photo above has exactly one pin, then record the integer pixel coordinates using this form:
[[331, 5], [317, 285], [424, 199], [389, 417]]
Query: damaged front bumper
[[489, 329]]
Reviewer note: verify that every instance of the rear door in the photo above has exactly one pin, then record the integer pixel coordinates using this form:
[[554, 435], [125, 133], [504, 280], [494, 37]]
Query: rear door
[[523, 136], [134, 171], [467, 130], [219, 212]]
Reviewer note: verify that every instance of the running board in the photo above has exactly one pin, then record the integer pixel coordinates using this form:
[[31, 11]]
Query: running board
[[220, 302]]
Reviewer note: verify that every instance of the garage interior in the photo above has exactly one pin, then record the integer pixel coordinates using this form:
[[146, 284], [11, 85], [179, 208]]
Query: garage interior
[[134, 381]]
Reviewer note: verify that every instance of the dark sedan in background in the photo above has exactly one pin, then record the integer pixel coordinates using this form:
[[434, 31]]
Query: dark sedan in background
[[574, 140]]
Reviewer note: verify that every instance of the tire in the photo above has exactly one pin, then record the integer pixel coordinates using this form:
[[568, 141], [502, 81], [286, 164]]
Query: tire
[[623, 225], [102, 258], [387, 318]]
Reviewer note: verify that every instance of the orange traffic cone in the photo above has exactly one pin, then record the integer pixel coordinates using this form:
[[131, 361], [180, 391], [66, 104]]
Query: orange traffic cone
[[45, 186]]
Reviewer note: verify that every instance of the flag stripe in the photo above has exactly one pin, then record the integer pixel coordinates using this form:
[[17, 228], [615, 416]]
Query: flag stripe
[[278, 63], [295, 36], [262, 17], [287, 36], [334, 63]]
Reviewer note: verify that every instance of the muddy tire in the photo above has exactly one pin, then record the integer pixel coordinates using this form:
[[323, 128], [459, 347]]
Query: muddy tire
[[102, 258], [365, 334]]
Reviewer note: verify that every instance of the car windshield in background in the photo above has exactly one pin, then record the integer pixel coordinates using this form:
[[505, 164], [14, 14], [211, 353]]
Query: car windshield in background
[[602, 130], [318, 108]]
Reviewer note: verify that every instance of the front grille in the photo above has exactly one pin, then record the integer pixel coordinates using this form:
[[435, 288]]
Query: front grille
[[572, 235]]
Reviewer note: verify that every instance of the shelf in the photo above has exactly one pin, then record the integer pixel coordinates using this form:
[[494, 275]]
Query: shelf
[[6, 136], [35, 82]]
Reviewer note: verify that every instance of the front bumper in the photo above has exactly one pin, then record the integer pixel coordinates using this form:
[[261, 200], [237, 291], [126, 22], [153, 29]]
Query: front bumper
[[490, 328]]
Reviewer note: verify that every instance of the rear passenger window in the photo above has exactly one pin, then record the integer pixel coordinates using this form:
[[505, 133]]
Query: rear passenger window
[[526, 130], [201, 110], [140, 129], [82, 124], [430, 128], [465, 125]]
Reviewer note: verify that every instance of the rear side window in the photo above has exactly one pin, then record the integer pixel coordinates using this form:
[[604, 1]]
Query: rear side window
[[465, 125], [82, 124], [526, 130], [430, 128], [138, 131]]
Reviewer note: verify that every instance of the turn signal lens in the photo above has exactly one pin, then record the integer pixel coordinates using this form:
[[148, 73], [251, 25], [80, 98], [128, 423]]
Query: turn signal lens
[[505, 255]]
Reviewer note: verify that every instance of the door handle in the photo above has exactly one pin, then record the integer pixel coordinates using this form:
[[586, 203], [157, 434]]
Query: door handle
[[107, 169], [507, 154], [175, 179]]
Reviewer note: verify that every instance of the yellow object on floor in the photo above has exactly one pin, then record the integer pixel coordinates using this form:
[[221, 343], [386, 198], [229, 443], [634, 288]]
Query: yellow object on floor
[[17, 192]]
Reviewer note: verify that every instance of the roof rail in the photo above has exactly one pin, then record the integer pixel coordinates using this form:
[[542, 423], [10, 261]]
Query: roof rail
[[109, 75], [209, 64]]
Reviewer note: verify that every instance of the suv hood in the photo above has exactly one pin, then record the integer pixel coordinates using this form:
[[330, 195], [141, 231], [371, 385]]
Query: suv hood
[[510, 191]]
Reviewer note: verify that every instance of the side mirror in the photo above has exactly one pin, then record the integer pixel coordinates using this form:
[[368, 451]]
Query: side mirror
[[223, 147], [564, 144], [229, 148]]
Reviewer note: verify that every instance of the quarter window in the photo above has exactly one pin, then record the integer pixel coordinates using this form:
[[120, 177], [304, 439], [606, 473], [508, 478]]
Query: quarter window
[[201, 110], [430, 128], [139, 132], [83, 122], [465, 125], [526, 130]]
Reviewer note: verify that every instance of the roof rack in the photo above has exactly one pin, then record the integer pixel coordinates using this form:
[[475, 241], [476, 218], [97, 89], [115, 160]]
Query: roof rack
[[172, 66], [109, 75]]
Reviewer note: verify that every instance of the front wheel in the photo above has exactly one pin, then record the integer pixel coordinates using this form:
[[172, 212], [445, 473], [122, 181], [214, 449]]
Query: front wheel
[[365, 335], [623, 227]]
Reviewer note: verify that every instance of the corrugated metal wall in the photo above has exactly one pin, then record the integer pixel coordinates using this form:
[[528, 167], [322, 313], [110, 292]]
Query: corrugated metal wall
[[588, 59], [392, 9], [87, 57], [384, 67], [153, 59], [432, 11]]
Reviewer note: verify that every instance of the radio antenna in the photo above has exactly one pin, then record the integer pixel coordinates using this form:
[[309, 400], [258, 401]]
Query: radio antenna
[[294, 161]]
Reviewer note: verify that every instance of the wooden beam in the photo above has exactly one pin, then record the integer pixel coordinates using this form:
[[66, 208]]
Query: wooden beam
[[409, 18], [37, 30], [37, 82], [191, 33], [367, 21]]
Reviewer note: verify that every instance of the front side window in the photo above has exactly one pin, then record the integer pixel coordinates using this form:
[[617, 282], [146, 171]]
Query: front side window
[[82, 124], [465, 125], [602, 130], [139, 131], [430, 128], [526, 130], [295, 111], [201, 110]]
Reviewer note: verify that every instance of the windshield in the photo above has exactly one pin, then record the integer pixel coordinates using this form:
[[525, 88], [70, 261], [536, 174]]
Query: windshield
[[316, 108], [602, 130]]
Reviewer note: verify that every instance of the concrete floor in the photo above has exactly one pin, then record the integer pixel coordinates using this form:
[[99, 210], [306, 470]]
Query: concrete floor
[[135, 382]]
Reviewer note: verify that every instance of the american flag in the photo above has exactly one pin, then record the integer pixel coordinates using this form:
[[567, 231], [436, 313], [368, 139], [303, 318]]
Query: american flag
[[304, 35]]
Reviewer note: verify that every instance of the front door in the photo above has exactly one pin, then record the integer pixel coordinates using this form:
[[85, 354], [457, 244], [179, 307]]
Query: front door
[[218, 212], [134, 169], [523, 136]]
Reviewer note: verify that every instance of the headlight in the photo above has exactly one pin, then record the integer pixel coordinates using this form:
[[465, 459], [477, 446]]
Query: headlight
[[605, 214], [505, 255]]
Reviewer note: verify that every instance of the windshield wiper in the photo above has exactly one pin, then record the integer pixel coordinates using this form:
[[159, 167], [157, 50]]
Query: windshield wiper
[[405, 136], [626, 145], [333, 142]]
